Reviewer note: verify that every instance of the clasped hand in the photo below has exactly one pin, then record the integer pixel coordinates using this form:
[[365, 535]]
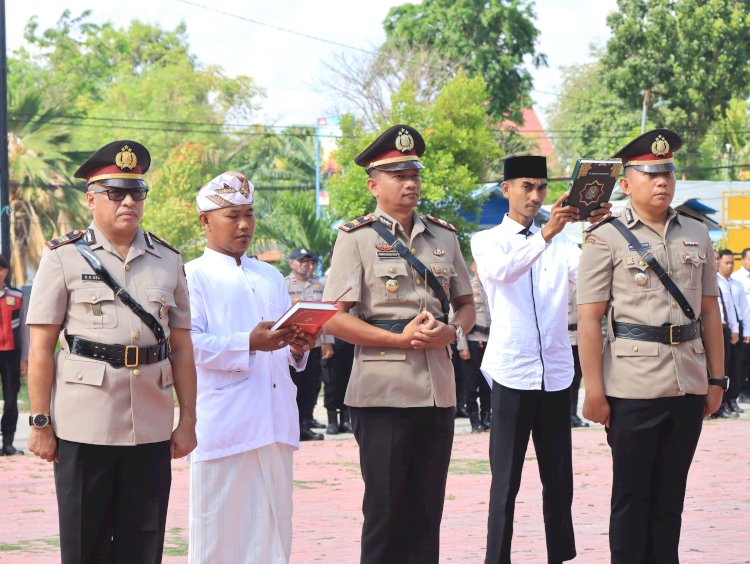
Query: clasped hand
[[426, 332]]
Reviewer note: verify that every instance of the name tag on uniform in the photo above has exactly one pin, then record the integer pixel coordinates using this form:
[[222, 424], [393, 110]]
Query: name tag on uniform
[[90, 278], [646, 245], [388, 254]]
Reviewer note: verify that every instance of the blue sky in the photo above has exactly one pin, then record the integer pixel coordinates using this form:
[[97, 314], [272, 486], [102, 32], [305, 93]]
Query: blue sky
[[289, 66]]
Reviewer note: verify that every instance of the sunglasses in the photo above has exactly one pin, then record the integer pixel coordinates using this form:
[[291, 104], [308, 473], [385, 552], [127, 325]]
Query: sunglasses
[[119, 194]]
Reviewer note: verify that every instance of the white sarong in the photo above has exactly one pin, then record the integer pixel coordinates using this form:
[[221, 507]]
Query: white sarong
[[241, 508]]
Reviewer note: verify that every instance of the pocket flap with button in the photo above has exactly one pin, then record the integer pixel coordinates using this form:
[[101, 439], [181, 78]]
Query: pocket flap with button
[[83, 372], [161, 295], [391, 269], [382, 353], [93, 295], [166, 375], [630, 347]]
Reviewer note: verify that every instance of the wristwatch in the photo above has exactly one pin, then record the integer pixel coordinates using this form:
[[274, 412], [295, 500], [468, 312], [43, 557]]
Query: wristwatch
[[459, 332], [40, 420], [723, 383]]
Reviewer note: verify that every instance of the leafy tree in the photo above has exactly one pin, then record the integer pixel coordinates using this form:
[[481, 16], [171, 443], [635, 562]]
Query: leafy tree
[[460, 146], [728, 143], [38, 166], [487, 38], [587, 120], [691, 54], [170, 207]]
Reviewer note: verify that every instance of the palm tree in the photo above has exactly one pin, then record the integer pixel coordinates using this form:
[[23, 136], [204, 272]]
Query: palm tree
[[40, 207]]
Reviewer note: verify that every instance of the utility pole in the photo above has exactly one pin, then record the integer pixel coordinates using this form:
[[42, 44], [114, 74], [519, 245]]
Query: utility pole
[[4, 188]]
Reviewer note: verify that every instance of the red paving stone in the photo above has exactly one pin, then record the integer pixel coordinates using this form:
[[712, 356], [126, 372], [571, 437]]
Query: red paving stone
[[328, 494]]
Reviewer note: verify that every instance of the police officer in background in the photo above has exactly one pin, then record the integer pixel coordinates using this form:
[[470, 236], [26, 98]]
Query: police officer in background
[[304, 284], [13, 356], [652, 272], [103, 410], [471, 350], [403, 270]]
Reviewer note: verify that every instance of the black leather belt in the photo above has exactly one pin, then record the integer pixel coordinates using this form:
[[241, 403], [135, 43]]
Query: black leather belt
[[572, 326], [392, 325], [480, 329], [667, 334], [118, 356]]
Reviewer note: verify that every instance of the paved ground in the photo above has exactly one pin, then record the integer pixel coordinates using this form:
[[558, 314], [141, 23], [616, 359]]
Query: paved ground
[[328, 495]]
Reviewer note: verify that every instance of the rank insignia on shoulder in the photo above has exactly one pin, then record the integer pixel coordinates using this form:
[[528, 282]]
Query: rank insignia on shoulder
[[598, 224], [691, 216], [65, 239], [440, 222], [357, 223], [160, 240]]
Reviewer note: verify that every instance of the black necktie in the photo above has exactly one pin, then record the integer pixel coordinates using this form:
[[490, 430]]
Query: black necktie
[[526, 232]]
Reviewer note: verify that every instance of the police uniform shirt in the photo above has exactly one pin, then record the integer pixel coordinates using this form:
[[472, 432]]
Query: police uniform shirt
[[385, 287], [611, 271], [93, 402], [483, 312], [310, 290]]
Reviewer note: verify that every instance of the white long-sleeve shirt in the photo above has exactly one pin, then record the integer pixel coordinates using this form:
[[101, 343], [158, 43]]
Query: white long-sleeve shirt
[[526, 280], [245, 400], [730, 316]]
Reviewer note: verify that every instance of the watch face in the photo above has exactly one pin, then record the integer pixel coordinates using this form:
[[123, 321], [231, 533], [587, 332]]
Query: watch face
[[40, 420]]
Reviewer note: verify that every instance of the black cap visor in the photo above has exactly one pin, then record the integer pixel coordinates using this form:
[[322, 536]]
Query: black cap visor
[[125, 183], [653, 168], [395, 167]]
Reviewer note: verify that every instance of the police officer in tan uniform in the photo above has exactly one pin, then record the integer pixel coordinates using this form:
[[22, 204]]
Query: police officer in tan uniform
[[401, 394], [663, 365], [103, 409], [303, 284]]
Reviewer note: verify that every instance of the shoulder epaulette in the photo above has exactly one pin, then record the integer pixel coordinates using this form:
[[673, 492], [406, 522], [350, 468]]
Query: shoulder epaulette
[[163, 242], [691, 216], [65, 239], [440, 222], [598, 224], [357, 223]]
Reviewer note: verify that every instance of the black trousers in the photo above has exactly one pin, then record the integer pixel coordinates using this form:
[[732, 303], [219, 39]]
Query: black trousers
[[339, 371], [112, 502], [653, 442], [308, 385], [736, 371], [404, 455], [546, 417], [575, 385], [10, 370], [475, 385]]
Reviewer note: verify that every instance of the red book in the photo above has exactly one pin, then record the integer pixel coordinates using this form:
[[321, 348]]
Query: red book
[[308, 316]]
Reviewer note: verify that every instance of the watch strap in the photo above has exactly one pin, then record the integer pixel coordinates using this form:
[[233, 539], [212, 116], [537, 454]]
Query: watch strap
[[723, 383]]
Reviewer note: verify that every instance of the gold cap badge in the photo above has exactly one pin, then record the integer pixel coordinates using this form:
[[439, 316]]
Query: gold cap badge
[[126, 159], [660, 146], [404, 141]]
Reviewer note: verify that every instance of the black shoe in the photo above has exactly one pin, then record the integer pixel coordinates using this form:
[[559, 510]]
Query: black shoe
[[309, 435], [476, 424], [315, 424], [724, 413], [732, 403], [576, 421], [744, 398], [345, 427], [461, 413], [332, 429], [487, 420], [10, 450]]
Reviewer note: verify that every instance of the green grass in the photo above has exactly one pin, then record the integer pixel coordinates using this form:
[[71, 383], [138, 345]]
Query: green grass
[[469, 466], [175, 542], [32, 546], [309, 484]]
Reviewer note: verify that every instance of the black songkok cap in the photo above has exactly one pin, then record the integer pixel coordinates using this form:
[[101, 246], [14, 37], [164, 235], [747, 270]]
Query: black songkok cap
[[526, 166]]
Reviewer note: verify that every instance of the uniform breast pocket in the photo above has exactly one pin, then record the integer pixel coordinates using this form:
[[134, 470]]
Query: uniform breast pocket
[[638, 276], [83, 372], [159, 302], [689, 268], [97, 304], [445, 273], [392, 276]]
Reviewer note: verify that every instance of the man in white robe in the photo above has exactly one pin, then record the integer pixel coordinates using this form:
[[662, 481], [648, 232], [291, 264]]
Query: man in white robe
[[241, 471]]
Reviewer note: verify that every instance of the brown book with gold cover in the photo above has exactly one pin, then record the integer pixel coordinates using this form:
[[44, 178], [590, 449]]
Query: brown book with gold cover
[[592, 184]]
